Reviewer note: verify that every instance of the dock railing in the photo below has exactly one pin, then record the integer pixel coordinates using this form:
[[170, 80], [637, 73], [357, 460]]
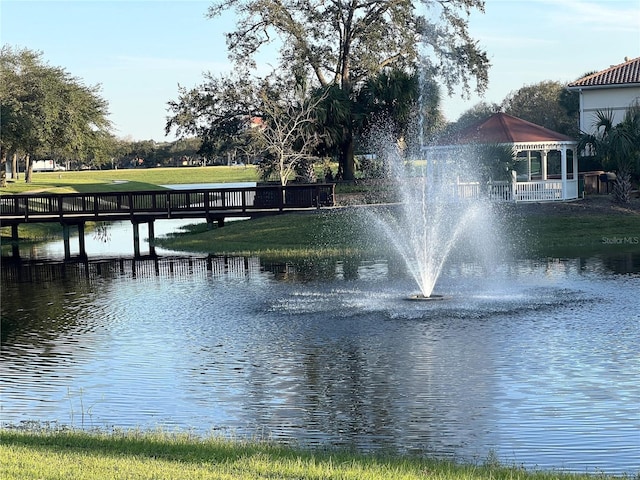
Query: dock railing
[[220, 202]]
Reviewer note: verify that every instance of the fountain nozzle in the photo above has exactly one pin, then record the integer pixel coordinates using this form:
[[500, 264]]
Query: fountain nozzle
[[423, 298]]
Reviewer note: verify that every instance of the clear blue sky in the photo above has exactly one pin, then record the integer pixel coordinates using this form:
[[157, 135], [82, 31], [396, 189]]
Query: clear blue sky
[[139, 51]]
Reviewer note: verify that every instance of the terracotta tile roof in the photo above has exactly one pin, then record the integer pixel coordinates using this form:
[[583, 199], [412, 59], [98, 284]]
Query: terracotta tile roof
[[503, 128], [625, 73]]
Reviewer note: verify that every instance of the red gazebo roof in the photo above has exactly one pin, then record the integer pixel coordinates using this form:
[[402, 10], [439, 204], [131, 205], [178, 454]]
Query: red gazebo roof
[[503, 128]]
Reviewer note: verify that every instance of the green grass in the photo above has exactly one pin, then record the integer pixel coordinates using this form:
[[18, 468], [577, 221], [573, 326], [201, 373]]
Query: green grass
[[341, 233], [149, 455], [318, 233], [581, 234], [34, 233], [37, 232], [89, 181]]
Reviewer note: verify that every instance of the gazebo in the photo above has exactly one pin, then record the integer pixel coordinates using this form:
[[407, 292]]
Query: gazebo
[[546, 161]]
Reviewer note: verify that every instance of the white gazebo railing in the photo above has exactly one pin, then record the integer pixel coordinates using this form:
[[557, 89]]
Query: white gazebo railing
[[500, 191], [497, 191], [545, 190], [538, 191], [534, 191], [467, 190]]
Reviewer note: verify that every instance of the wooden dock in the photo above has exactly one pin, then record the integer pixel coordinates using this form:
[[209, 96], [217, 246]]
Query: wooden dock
[[212, 205]]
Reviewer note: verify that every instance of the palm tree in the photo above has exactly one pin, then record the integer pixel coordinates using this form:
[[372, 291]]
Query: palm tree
[[618, 146]]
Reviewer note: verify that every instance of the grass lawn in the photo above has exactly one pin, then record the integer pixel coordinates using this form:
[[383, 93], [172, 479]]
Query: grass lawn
[[137, 455], [323, 233], [590, 226], [564, 236], [341, 233], [87, 181]]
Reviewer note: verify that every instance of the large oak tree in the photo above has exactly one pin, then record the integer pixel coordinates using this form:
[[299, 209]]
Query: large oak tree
[[345, 42], [46, 111]]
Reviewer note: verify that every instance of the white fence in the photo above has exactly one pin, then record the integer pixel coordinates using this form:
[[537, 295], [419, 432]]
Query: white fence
[[545, 190], [534, 191], [497, 191]]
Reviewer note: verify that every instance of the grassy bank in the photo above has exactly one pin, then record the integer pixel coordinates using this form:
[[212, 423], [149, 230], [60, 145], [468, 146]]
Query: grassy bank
[[324, 233], [527, 233], [345, 232], [136, 455], [583, 227], [567, 236]]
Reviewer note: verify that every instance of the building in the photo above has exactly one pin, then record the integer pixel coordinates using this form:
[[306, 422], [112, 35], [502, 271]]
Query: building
[[613, 89]]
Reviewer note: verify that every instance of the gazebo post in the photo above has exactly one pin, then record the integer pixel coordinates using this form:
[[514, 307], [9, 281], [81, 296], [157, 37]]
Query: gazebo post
[[563, 170], [543, 154], [574, 156], [528, 165]]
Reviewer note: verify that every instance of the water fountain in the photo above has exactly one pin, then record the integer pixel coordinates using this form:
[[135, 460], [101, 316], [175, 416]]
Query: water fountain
[[429, 218]]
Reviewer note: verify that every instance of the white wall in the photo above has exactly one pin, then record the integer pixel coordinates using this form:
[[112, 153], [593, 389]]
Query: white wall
[[614, 99]]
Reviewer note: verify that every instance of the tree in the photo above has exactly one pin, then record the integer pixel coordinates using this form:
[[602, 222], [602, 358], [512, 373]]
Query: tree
[[80, 126], [45, 111], [618, 147], [18, 99], [495, 162], [287, 134], [548, 104], [99, 152], [140, 153], [408, 103], [183, 150], [476, 114], [217, 111], [333, 117], [345, 43]]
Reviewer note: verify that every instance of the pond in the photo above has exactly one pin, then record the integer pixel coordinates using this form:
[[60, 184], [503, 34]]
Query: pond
[[535, 361]]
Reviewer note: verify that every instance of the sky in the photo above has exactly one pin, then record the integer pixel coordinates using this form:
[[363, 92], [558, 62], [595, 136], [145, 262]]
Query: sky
[[140, 51]]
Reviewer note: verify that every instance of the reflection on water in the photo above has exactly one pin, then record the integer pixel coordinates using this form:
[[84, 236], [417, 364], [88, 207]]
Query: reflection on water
[[535, 360], [107, 240]]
